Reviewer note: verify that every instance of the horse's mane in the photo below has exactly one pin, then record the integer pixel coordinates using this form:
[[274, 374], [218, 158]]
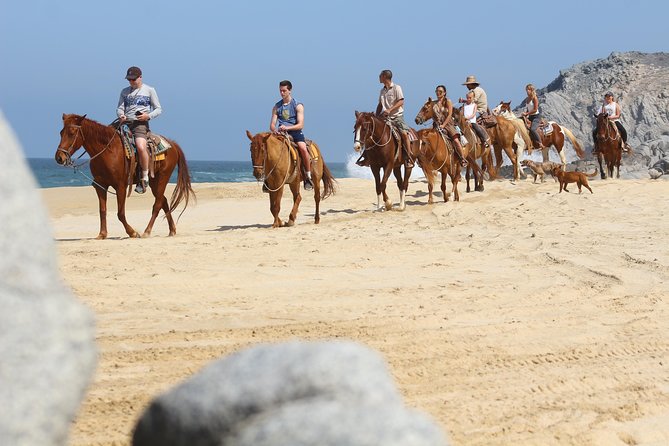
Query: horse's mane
[[94, 130]]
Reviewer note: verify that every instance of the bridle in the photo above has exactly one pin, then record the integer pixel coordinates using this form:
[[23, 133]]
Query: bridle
[[608, 131], [264, 177], [69, 152], [364, 126]]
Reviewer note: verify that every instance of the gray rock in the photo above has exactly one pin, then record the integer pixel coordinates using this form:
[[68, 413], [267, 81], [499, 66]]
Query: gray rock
[[224, 398], [640, 82], [654, 173], [46, 336], [331, 423]]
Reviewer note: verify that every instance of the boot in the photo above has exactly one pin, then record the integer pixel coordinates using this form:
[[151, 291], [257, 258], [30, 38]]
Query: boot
[[458, 150], [408, 162]]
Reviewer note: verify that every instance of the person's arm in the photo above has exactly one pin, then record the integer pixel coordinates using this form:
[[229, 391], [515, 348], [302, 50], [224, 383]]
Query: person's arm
[[395, 106], [272, 122], [616, 115], [155, 104], [120, 109]]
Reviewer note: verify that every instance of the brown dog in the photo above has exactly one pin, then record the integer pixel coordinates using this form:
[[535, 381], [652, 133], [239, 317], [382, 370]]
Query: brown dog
[[580, 178], [541, 169]]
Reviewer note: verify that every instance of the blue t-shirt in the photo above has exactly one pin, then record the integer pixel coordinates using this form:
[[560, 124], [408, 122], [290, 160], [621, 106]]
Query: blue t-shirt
[[287, 113]]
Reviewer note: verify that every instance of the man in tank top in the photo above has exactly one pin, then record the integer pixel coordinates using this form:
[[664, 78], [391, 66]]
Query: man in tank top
[[612, 108], [288, 117]]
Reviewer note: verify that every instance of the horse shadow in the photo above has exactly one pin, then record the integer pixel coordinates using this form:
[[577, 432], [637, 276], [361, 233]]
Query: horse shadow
[[81, 239], [238, 227], [341, 211]]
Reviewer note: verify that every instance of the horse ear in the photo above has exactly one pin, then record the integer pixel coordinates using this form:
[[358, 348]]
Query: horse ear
[[429, 99], [63, 116], [249, 135], [357, 113]]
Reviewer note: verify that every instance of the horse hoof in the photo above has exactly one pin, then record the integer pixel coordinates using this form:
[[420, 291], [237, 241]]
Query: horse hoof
[[146, 235], [101, 237], [172, 233], [290, 223], [317, 220]]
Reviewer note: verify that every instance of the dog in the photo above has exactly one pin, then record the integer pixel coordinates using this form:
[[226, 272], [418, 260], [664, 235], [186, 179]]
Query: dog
[[580, 178], [540, 169]]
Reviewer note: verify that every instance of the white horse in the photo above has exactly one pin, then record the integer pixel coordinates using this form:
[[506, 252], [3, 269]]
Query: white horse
[[521, 139]]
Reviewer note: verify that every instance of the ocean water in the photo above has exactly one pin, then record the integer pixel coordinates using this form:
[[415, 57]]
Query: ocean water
[[50, 174]]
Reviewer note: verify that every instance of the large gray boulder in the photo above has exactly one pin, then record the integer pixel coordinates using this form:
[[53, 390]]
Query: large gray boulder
[[640, 83], [47, 351], [296, 393]]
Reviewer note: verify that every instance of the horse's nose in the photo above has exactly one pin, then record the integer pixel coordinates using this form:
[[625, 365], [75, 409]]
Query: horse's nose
[[59, 158], [356, 146], [418, 120]]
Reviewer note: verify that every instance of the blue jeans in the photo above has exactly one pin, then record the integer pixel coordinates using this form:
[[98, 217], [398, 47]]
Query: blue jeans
[[534, 134]]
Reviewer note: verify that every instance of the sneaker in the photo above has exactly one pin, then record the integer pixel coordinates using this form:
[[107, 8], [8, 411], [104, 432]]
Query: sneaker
[[308, 185], [141, 187]]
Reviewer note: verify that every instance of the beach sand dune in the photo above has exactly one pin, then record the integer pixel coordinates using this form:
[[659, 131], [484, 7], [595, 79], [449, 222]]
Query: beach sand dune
[[516, 316]]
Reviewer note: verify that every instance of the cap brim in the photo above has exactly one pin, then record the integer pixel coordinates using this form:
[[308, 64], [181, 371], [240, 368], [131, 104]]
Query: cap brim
[[131, 78]]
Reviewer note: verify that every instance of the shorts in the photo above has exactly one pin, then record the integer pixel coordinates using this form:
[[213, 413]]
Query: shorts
[[297, 135], [139, 129], [400, 123]]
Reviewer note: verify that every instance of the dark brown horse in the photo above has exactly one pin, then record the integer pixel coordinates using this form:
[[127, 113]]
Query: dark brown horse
[[472, 149], [110, 168], [609, 146], [375, 137], [277, 164]]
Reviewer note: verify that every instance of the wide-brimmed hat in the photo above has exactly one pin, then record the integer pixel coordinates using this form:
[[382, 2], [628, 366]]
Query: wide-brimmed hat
[[133, 73], [471, 80]]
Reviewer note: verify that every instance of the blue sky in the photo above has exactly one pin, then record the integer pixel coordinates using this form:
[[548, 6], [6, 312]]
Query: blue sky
[[216, 64]]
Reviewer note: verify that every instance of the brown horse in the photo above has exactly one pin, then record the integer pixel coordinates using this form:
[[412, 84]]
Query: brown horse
[[435, 153], [111, 168], [381, 149], [277, 164], [472, 149], [554, 139], [609, 146]]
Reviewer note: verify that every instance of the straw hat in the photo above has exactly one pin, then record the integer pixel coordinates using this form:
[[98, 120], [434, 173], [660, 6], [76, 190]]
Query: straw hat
[[471, 80]]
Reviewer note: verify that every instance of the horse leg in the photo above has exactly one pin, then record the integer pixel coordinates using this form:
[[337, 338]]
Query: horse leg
[[602, 172], [401, 184], [563, 157], [297, 198], [102, 200], [498, 157], [170, 221], [467, 176], [514, 161], [275, 206], [316, 175], [158, 186], [455, 179], [446, 195], [430, 186], [384, 181], [376, 171], [120, 203]]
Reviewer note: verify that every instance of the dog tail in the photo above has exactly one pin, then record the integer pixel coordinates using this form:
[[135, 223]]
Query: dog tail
[[591, 175], [577, 145]]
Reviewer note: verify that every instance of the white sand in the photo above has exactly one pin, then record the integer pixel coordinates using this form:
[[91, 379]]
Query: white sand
[[517, 316]]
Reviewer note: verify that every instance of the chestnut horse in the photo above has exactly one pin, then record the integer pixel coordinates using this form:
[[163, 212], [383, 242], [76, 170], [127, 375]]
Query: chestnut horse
[[111, 168], [375, 137], [276, 164], [609, 146], [555, 139], [472, 149], [435, 153]]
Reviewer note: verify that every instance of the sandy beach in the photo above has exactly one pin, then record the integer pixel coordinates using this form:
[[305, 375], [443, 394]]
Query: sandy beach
[[516, 316]]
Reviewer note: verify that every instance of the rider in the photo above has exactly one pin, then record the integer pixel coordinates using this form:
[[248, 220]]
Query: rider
[[444, 121], [288, 117], [391, 107], [612, 108], [532, 113], [470, 111], [137, 104], [480, 96]]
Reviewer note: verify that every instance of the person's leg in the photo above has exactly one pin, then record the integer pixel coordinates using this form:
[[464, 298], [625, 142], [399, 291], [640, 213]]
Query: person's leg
[[406, 148], [482, 134], [594, 141], [143, 155], [306, 162], [459, 150], [534, 133]]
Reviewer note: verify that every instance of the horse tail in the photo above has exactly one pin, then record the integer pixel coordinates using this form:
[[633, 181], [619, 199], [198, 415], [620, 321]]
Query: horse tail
[[183, 192], [490, 166], [328, 182], [577, 145]]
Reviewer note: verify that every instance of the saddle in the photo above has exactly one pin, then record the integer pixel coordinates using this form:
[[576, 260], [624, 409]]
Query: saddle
[[546, 127], [487, 119], [397, 136]]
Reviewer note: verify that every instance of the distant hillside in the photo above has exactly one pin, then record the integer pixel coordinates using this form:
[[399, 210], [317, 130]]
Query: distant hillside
[[639, 82]]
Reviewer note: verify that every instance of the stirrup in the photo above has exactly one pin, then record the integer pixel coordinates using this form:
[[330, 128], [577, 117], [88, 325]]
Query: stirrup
[[308, 184], [141, 187]]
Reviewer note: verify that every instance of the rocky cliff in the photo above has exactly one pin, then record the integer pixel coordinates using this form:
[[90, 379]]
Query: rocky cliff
[[639, 82]]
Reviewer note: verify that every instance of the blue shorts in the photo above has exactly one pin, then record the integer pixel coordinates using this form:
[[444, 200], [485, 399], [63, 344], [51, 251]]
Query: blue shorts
[[297, 135]]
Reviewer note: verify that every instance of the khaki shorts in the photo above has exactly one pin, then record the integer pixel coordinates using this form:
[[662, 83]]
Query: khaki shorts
[[139, 129]]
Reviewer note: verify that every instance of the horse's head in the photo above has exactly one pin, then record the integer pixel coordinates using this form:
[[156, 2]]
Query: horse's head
[[426, 112], [358, 140], [602, 124], [71, 138], [502, 108], [258, 153]]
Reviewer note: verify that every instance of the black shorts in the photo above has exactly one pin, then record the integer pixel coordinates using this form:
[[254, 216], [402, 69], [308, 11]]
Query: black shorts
[[297, 135]]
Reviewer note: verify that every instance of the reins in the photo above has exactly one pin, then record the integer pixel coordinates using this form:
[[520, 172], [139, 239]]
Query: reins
[[371, 136], [264, 166]]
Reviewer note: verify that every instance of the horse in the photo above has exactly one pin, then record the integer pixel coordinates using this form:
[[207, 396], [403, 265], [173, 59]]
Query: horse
[[276, 164], [435, 153], [382, 150], [110, 168], [554, 139], [505, 136], [471, 149], [609, 146]]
